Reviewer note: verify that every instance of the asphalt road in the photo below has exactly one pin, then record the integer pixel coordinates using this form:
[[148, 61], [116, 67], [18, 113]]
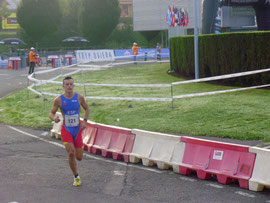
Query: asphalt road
[[11, 80], [34, 168]]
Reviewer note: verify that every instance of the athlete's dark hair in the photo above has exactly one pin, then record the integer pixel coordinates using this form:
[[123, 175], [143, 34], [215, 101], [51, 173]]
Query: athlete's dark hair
[[68, 78]]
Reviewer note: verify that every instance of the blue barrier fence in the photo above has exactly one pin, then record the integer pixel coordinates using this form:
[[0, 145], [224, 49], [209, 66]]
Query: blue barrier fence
[[126, 54], [3, 63]]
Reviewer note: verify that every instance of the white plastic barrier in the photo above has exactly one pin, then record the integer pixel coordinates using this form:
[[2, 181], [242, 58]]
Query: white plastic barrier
[[163, 149], [261, 172], [56, 130]]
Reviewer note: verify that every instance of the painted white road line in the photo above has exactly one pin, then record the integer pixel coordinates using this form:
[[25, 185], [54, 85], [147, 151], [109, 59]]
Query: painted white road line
[[245, 194], [34, 136], [86, 155], [188, 179], [119, 173], [215, 185]]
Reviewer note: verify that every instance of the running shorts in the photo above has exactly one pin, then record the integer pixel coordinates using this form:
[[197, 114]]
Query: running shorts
[[67, 138]]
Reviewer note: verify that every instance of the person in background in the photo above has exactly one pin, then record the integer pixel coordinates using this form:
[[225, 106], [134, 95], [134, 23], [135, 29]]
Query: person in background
[[135, 51], [32, 60], [158, 48]]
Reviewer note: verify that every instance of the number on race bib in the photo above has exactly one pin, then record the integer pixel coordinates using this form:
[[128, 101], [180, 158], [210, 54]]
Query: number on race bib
[[72, 120]]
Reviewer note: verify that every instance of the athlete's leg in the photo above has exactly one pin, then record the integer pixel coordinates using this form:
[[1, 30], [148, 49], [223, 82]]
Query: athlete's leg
[[79, 154], [78, 143], [71, 157]]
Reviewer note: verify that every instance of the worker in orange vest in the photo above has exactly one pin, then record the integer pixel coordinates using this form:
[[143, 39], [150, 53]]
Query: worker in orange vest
[[32, 60], [135, 51]]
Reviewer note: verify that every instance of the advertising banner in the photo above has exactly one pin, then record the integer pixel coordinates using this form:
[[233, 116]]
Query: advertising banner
[[126, 54], [94, 55]]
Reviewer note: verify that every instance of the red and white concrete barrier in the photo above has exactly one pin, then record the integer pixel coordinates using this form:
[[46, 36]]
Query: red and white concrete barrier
[[248, 165], [224, 160], [261, 172], [156, 148], [113, 142], [56, 130], [89, 135]]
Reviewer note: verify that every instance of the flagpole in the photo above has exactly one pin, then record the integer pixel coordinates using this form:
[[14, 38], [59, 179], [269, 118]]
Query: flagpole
[[196, 40]]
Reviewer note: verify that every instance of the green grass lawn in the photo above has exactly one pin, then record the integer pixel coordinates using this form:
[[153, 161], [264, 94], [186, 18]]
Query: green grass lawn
[[240, 115]]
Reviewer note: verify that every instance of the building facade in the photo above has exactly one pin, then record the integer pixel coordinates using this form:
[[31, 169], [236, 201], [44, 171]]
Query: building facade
[[126, 8], [151, 15]]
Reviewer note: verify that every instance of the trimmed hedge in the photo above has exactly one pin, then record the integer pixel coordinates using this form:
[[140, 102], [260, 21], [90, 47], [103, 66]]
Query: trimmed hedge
[[221, 54]]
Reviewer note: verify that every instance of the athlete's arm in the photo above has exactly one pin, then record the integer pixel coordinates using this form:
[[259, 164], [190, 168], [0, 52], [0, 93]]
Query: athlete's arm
[[54, 110], [86, 109]]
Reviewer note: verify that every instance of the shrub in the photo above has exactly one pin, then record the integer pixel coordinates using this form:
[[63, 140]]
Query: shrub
[[224, 54]]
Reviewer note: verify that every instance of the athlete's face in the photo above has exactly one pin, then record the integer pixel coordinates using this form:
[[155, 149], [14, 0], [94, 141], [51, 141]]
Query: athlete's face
[[68, 85]]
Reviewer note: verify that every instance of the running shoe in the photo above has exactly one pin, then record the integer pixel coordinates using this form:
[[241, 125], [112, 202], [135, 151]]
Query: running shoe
[[77, 181]]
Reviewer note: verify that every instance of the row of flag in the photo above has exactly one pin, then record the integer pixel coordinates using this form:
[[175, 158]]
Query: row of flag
[[177, 16]]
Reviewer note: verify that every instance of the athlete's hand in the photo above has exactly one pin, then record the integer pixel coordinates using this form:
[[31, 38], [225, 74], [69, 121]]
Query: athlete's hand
[[57, 120], [83, 125]]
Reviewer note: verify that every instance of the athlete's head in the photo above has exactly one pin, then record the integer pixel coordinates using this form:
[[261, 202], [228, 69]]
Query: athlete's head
[[68, 84]]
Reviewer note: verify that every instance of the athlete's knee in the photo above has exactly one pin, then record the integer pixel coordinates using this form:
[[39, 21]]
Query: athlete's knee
[[71, 152], [79, 154], [79, 158]]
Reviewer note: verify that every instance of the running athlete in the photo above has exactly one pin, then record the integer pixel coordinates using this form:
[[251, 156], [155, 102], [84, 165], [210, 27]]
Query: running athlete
[[71, 130]]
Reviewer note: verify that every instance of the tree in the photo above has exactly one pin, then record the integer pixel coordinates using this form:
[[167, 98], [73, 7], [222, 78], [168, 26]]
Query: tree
[[68, 27], [98, 18], [70, 22], [39, 18], [149, 35], [4, 12]]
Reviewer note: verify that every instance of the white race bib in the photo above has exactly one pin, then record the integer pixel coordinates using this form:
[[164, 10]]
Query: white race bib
[[72, 120]]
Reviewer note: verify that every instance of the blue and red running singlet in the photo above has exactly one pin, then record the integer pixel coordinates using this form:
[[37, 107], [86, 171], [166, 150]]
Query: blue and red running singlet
[[71, 112]]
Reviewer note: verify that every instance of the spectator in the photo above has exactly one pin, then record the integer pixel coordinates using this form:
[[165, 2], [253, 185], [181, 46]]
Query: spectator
[[32, 60], [158, 48], [135, 51]]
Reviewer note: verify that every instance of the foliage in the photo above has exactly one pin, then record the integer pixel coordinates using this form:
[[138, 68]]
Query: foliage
[[70, 22], [98, 19], [123, 38], [39, 18], [224, 54], [4, 11], [149, 35]]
